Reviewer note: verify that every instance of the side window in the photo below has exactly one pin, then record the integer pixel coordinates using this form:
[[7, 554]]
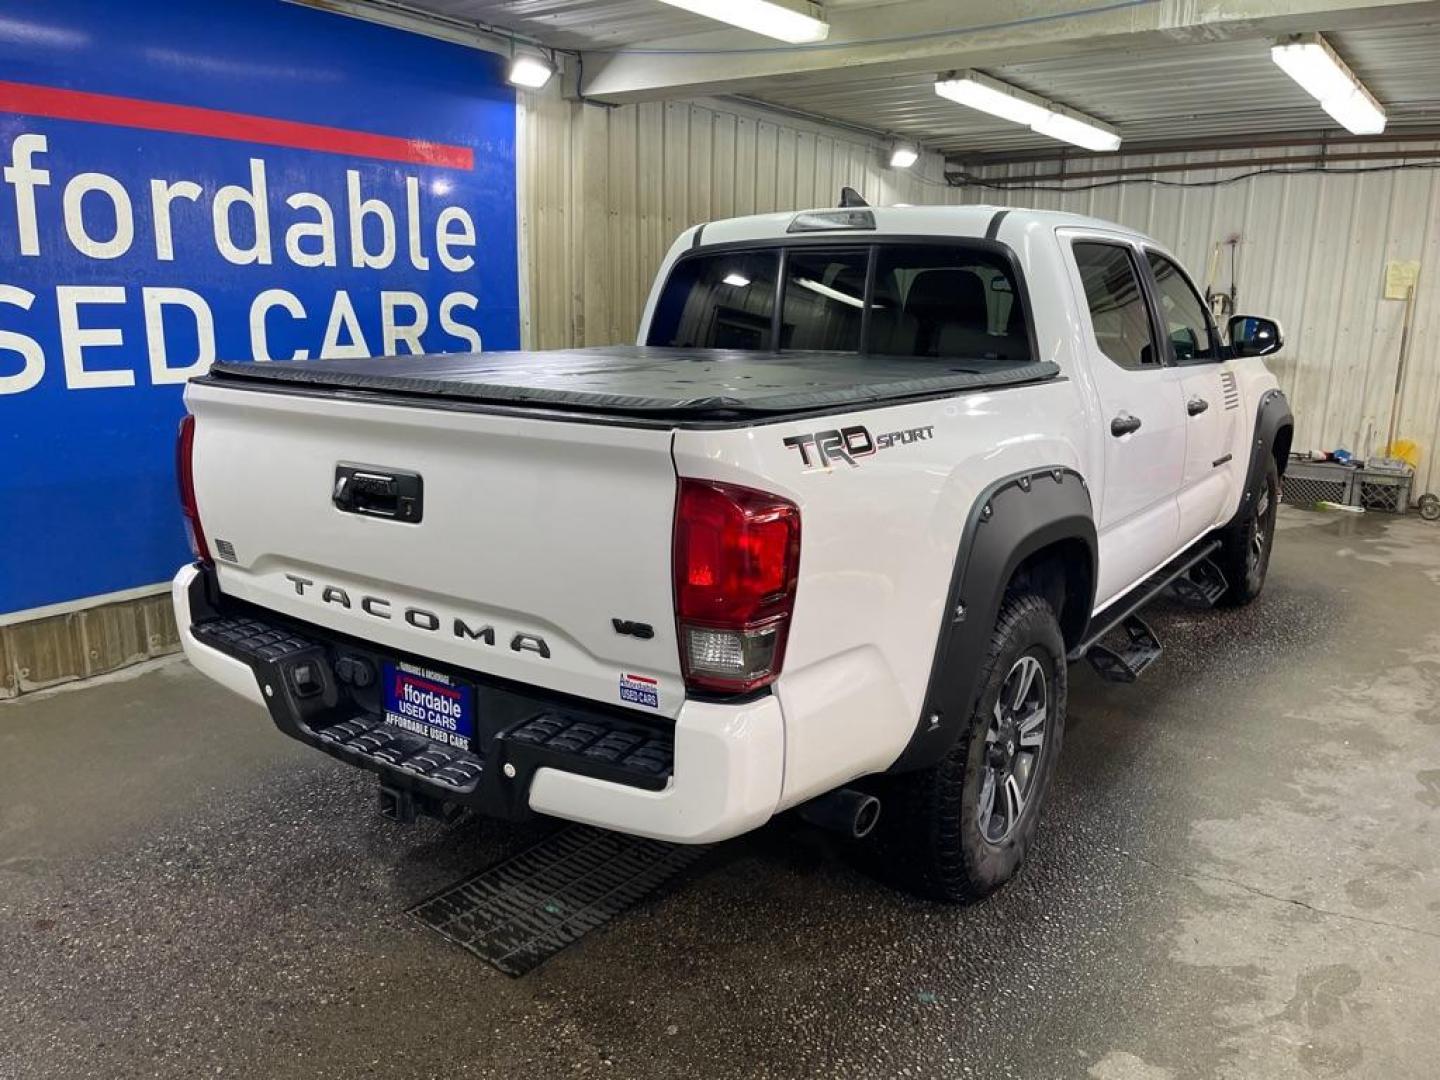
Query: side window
[[1181, 312], [1117, 306]]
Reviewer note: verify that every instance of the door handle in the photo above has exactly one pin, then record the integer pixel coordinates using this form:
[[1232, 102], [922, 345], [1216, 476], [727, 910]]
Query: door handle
[[1124, 424], [1196, 405]]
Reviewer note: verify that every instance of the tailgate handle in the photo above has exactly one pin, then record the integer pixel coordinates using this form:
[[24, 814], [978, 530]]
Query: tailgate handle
[[379, 492]]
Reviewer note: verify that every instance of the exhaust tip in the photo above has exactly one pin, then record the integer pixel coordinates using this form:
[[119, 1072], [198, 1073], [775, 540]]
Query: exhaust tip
[[867, 816], [853, 814]]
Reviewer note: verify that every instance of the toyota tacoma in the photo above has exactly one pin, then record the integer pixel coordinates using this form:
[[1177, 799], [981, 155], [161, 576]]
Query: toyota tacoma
[[826, 538]]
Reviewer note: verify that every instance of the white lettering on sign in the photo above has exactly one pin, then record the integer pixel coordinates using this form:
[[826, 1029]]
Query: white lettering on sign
[[28, 348], [162, 194], [155, 301], [322, 229], [253, 203], [75, 339], [24, 177], [123, 234], [99, 219], [409, 331], [259, 339]]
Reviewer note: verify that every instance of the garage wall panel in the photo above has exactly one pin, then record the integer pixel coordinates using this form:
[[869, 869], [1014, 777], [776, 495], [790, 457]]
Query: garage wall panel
[[598, 220], [1313, 249]]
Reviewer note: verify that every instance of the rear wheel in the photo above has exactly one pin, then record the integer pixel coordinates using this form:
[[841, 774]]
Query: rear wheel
[[959, 830], [1244, 555]]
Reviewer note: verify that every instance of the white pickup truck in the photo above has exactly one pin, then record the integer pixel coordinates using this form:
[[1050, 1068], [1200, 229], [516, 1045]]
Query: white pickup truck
[[826, 538]]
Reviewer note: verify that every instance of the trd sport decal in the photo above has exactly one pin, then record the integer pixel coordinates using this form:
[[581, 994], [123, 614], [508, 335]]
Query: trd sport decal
[[845, 444]]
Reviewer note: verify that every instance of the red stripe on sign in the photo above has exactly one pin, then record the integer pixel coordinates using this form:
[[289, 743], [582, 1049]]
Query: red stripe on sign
[[59, 104], [415, 680], [642, 678]]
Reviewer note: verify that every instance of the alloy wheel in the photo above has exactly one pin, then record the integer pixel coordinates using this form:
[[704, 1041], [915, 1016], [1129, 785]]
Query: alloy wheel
[[1014, 742], [1259, 529]]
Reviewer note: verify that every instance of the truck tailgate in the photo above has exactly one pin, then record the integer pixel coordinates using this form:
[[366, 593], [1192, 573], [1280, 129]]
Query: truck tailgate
[[534, 535]]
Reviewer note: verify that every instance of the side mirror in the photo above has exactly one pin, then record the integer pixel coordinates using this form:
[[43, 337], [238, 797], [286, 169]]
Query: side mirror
[[1184, 342], [1253, 335]]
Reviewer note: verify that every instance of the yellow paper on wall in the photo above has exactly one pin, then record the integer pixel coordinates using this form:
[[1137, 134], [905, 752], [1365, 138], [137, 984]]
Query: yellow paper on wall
[[1400, 278]]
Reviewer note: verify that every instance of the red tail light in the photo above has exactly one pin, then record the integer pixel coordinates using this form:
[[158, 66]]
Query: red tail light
[[737, 558], [185, 472]]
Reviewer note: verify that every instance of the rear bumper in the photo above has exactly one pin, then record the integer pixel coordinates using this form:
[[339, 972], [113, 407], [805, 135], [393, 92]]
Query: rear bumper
[[715, 773]]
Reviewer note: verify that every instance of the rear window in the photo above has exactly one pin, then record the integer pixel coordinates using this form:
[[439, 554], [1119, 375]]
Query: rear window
[[718, 302], [947, 301]]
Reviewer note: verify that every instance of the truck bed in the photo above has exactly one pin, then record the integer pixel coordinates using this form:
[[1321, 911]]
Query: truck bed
[[640, 381]]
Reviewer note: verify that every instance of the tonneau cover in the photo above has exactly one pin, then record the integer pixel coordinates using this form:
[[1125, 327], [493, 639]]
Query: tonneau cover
[[647, 381]]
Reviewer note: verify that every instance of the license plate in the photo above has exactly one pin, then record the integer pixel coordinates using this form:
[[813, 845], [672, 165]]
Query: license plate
[[430, 704]]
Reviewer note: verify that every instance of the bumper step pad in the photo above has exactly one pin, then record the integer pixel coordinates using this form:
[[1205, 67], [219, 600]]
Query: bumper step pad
[[521, 912], [246, 638], [411, 753], [596, 743]]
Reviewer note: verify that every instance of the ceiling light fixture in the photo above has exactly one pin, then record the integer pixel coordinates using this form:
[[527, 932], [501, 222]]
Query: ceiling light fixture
[[1311, 62], [530, 71], [903, 155], [977, 91], [795, 21], [829, 293]]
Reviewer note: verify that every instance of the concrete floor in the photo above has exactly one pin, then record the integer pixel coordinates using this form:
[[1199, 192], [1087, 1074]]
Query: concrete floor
[[1238, 875]]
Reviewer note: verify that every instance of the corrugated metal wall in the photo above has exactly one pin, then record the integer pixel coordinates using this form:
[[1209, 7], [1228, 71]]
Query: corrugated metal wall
[[604, 192], [1313, 253]]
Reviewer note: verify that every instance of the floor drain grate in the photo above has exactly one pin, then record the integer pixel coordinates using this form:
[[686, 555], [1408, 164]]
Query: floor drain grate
[[522, 911]]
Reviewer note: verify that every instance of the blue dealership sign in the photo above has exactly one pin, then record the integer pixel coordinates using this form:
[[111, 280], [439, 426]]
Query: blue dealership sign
[[240, 179]]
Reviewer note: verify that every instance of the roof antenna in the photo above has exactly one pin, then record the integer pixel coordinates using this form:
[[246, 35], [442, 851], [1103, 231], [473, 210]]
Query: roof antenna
[[850, 197]]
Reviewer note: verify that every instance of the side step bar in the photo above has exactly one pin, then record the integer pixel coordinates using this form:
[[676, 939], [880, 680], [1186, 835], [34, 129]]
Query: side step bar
[[1202, 586], [1125, 663], [1141, 647]]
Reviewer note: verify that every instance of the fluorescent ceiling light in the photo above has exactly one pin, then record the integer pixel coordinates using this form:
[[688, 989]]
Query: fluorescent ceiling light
[[977, 91], [903, 155], [994, 97], [1311, 62], [1357, 112], [829, 293], [795, 21], [738, 280], [1067, 126], [529, 71]]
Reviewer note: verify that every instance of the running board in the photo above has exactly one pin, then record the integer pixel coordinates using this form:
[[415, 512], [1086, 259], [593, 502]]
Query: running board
[[1117, 613], [1125, 663], [1201, 586]]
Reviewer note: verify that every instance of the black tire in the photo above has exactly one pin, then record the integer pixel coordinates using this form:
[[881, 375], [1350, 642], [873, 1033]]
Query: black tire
[[933, 838], [1244, 555]]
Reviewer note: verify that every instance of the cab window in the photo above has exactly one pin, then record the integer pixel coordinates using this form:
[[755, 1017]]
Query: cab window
[[1118, 314], [954, 302], [719, 302], [1182, 313], [824, 300], [948, 301]]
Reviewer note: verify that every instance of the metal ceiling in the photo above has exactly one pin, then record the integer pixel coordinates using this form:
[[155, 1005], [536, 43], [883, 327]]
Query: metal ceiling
[[586, 24], [1170, 94]]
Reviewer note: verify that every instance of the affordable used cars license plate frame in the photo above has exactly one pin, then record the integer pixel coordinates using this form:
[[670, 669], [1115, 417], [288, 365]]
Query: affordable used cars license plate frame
[[428, 703]]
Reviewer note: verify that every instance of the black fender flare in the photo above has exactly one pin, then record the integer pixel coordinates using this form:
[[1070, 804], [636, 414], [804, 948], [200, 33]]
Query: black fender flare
[[1272, 418], [1012, 519]]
